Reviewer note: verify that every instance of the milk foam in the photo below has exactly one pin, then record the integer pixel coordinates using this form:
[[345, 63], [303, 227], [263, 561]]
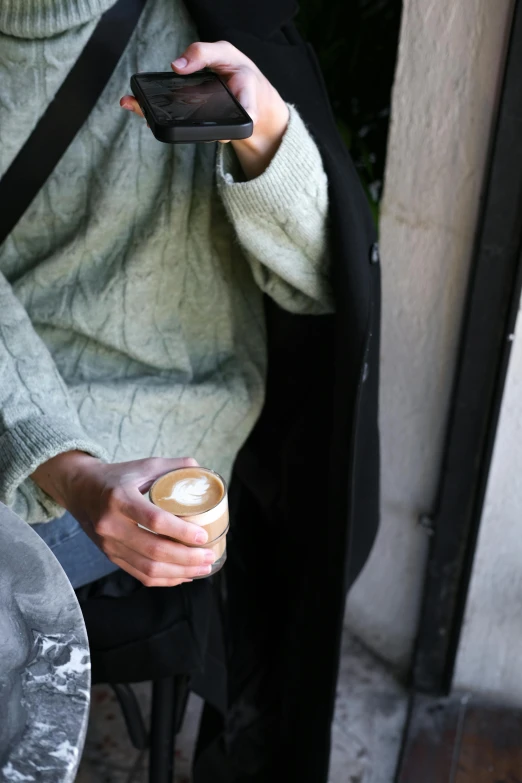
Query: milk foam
[[189, 491]]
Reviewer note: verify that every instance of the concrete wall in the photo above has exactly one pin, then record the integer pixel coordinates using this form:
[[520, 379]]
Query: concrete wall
[[490, 654], [444, 95]]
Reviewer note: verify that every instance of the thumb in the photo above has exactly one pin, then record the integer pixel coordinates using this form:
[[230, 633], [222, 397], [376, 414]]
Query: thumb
[[155, 467]]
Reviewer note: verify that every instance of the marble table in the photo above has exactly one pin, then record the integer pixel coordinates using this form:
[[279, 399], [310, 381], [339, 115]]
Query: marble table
[[44, 661]]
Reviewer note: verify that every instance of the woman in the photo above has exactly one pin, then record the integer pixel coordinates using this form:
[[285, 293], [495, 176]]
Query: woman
[[132, 312], [147, 307]]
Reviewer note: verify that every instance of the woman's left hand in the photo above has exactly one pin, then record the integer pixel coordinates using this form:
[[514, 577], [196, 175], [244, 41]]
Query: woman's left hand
[[254, 92]]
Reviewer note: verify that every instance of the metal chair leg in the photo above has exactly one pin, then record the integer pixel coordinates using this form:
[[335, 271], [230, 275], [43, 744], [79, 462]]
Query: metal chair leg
[[132, 715], [182, 697], [163, 730]]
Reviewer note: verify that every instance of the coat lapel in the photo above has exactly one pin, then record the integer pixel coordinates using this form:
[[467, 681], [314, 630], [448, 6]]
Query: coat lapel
[[261, 18]]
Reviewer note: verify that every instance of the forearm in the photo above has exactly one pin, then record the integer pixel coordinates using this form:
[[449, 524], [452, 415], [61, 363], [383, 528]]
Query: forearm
[[38, 420], [280, 218]]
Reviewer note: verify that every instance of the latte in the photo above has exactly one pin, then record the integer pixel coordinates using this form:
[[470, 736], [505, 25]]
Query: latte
[[197, 495]]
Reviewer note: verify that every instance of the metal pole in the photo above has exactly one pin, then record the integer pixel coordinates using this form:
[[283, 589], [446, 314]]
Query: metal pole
[[163, 730]]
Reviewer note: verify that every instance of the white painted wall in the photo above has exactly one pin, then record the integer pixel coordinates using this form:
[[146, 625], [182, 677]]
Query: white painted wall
[[444, 95], [490, 653]]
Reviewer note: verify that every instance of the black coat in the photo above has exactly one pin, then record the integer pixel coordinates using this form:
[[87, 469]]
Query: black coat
[[306, 486]]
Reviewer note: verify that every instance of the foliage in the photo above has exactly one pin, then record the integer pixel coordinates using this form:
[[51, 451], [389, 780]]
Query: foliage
[[356, 43]]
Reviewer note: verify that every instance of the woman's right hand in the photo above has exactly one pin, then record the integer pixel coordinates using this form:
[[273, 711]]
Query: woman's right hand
[[107, 501]]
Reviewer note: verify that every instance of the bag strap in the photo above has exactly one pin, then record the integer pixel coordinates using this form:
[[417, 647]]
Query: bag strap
[[67, 113]]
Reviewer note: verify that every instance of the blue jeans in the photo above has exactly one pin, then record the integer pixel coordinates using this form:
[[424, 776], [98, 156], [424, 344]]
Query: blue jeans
[[79, 557]]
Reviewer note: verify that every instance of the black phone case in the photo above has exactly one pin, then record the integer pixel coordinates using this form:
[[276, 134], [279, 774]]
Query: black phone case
[[180, 133]]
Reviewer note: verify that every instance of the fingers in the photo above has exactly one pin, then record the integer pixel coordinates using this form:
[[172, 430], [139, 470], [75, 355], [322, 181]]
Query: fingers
[[155, 548], [221, 56], [148, 581], [154, 560], [244, 86], [242, 74], [129, 502], [131, 104], [156, 569]]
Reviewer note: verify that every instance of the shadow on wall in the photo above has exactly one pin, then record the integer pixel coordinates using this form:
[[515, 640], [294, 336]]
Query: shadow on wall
[[356, 42]]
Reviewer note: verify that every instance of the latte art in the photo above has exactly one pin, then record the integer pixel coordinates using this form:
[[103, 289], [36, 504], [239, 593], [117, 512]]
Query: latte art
[[189, 491]]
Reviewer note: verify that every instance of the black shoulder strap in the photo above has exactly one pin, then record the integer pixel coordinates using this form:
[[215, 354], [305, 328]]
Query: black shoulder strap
[[67, 112]]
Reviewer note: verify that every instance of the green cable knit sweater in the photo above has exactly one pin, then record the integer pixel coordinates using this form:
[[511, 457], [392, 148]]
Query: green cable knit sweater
[[131, 317]]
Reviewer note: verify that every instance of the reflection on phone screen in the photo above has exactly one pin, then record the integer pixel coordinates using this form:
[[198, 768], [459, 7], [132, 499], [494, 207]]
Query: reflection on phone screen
[[198, 98]]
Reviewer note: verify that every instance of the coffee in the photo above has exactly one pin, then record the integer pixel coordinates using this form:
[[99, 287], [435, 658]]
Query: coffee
[[188, 491], [197, 495]]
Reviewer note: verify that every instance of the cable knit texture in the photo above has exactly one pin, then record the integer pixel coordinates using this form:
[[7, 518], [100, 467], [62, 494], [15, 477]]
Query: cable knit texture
[[131, 313], [44, 18]]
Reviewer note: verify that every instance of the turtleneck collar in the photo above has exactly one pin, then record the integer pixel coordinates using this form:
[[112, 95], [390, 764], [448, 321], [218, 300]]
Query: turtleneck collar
[[45, 18]]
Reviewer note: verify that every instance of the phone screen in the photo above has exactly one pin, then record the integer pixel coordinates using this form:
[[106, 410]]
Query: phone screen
[[197, 98]]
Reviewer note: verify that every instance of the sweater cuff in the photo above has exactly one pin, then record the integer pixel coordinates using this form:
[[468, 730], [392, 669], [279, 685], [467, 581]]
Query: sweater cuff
[[27, 445], [295, 171]]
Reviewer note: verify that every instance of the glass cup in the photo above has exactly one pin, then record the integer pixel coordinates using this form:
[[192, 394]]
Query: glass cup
[[215, 520]]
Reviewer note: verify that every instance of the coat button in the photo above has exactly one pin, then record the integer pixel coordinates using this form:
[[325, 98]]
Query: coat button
[[375, 255]]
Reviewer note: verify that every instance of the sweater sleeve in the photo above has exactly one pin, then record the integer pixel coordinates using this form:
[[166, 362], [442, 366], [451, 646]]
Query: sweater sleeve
[[280, 219], [38, 420]]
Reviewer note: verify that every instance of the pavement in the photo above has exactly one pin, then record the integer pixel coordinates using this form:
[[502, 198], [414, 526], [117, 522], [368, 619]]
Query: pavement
[[371, 710]]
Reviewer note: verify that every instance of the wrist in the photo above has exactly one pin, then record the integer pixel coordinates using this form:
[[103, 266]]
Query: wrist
[[57, 475], [256, 152]]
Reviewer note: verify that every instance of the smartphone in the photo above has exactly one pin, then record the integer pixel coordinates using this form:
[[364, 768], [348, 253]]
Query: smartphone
[[192, 108]]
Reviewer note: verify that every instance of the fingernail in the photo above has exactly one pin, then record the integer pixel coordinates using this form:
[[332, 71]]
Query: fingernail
[[201, 538], [209, 556], [126, 106], [205, 570], [181, 62]]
